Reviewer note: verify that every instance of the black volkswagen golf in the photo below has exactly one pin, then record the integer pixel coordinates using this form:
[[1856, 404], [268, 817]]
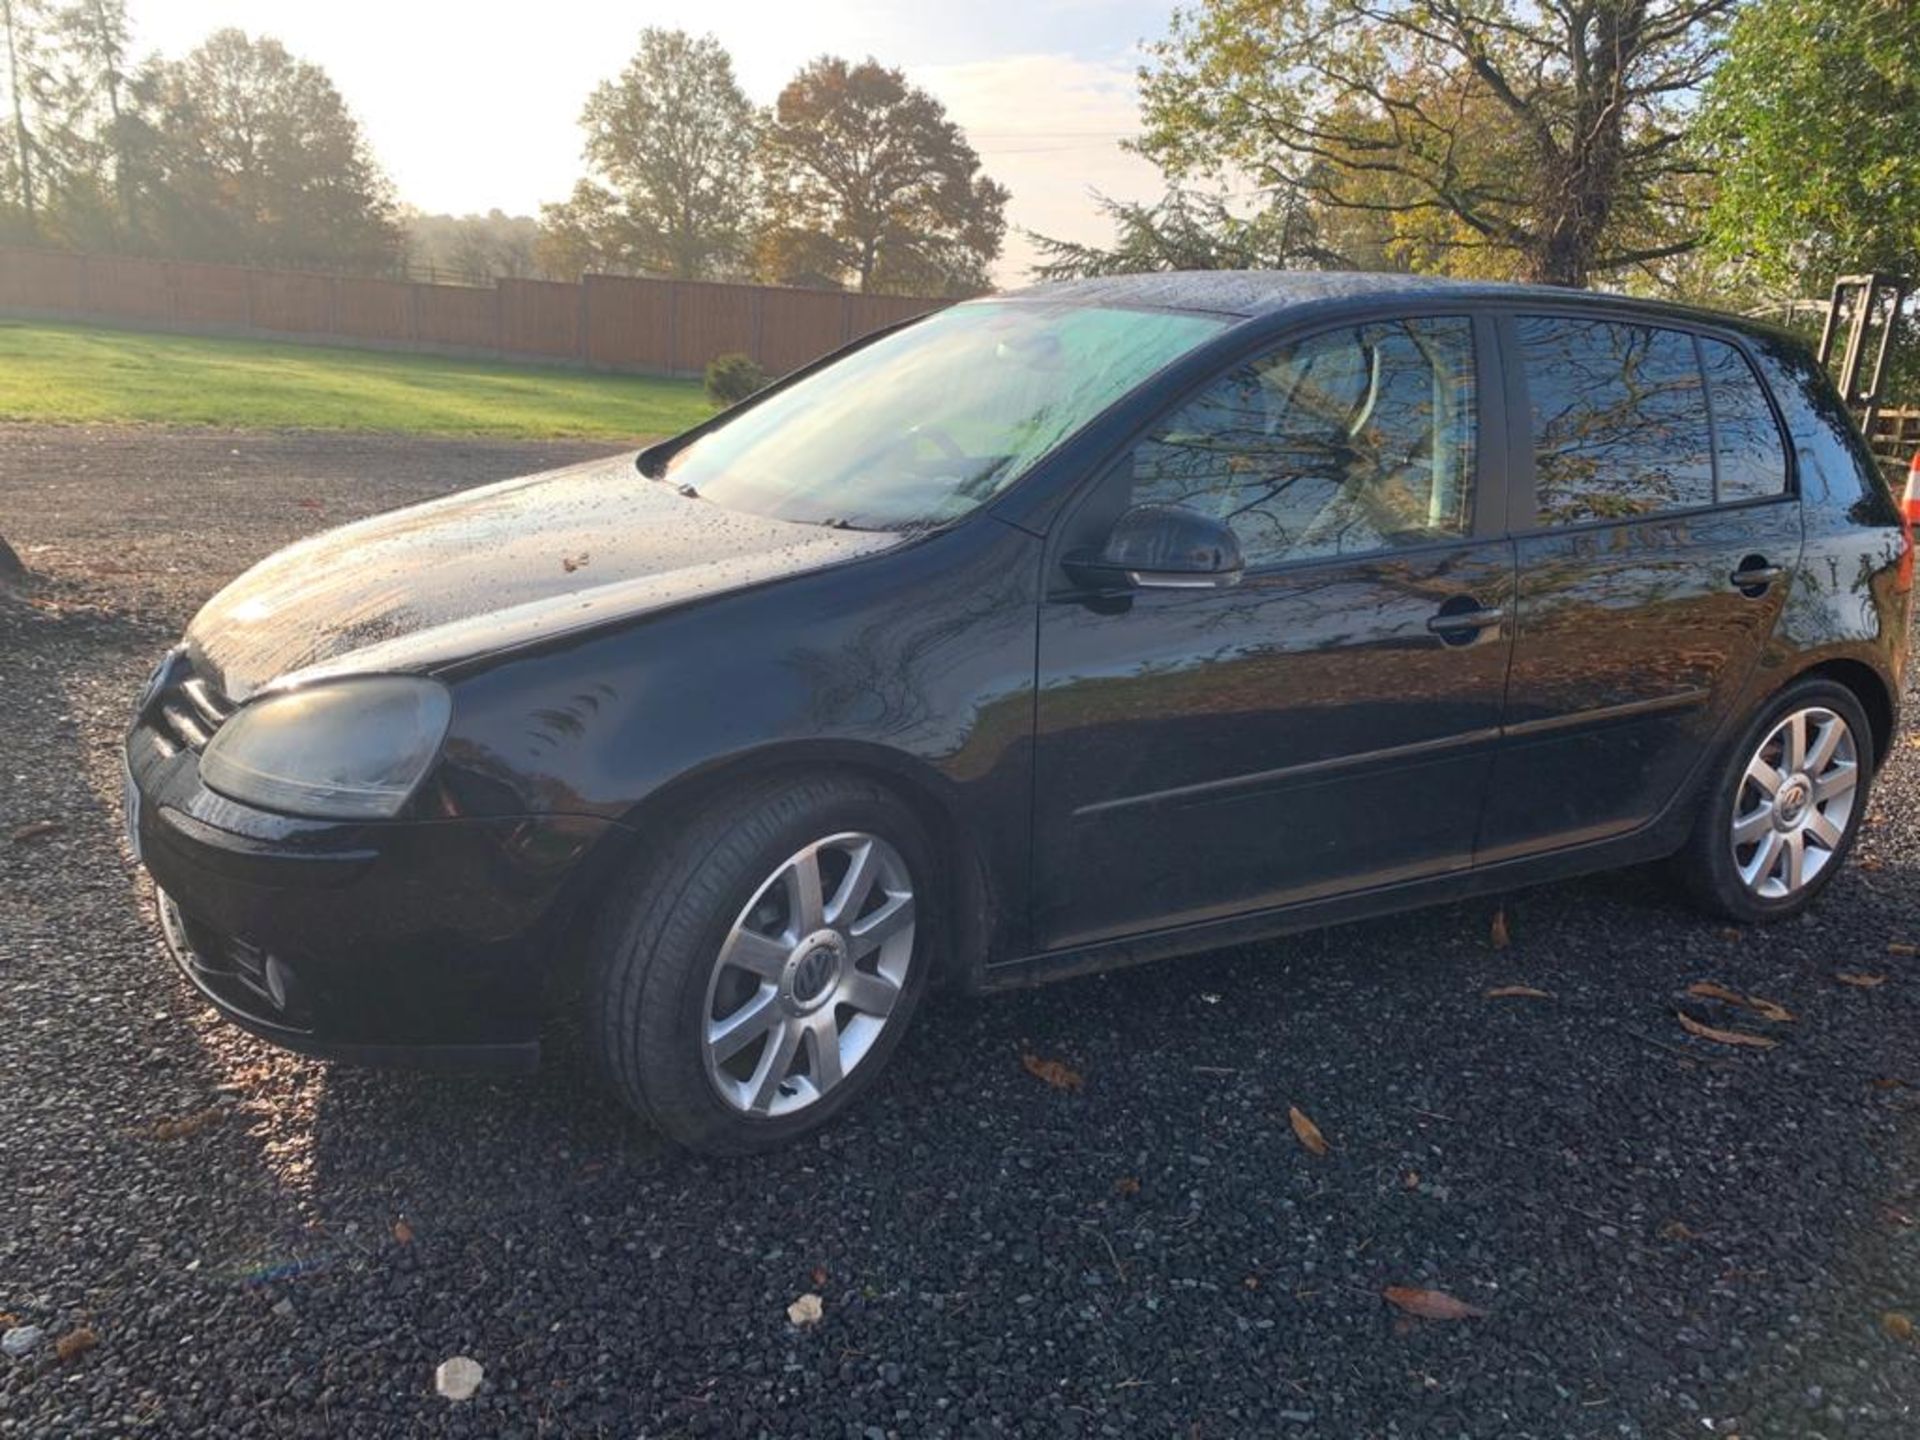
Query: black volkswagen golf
[[1082, 626]]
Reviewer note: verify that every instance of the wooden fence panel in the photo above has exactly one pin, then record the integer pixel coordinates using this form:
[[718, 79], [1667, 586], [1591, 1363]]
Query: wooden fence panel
[[214, 295], [711, 320], [540, 317], [42, 280], [129, 287], [457, 315], [798, 327], [370, 309], [291, 301], [629, 322]]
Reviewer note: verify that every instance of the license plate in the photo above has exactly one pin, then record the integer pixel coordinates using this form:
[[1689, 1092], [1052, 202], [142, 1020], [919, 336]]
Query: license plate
[[132, 811]]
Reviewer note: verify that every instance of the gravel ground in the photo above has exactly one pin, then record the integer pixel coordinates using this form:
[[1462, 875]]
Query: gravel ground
[[1669, 1237]]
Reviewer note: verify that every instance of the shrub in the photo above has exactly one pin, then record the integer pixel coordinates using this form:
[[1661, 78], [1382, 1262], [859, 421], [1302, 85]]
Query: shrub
[[732, 378]]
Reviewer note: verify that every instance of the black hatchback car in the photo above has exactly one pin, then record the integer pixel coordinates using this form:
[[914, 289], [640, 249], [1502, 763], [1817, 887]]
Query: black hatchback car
[[1077, 627]]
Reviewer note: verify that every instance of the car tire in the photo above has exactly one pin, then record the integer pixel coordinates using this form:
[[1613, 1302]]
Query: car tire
[[712, 943], [1749, 876]]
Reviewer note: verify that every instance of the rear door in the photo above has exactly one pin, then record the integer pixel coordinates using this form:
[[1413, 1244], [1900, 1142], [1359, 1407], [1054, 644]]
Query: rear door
[[1654, 546], [1327, 724]]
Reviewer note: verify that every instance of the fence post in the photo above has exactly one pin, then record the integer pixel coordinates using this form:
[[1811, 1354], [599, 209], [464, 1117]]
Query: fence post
[[584, 316], [499, 318], [757, 307]]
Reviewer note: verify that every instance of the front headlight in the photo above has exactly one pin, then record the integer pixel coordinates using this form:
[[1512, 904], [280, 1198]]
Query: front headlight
[[340, 750]]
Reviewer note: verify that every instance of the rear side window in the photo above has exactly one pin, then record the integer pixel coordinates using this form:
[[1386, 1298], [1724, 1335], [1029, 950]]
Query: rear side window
[[1747, 452], [1619, 419]]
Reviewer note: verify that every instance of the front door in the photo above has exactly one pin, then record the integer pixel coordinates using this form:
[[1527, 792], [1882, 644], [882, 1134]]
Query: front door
[[1656, 565], [1324, 726]]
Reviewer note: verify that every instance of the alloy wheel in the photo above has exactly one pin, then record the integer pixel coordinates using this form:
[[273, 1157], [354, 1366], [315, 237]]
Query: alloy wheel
[[808, 975], [1795, 803]]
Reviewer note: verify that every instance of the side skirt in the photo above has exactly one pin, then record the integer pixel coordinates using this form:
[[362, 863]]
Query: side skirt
[[1651, 842]]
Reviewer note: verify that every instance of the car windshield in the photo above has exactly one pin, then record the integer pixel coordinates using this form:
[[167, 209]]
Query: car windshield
[[922, 426]]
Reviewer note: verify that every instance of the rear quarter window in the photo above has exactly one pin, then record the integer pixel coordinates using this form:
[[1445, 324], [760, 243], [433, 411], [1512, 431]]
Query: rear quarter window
[[1836, 468]]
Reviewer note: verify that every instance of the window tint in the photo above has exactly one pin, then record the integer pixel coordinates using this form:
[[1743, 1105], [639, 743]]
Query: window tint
[[1746, 441], [1619, 419], [1349, 441]]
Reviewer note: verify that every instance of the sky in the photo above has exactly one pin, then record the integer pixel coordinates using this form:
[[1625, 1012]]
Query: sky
[[476, 106]]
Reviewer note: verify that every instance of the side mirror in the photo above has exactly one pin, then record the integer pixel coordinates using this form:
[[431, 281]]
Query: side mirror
[[1162, 547]]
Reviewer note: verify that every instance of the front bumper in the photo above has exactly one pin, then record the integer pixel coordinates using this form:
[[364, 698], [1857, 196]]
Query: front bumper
[[429, 942]]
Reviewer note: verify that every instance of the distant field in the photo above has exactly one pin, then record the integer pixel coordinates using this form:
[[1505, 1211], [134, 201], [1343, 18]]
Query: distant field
[[77, 374]]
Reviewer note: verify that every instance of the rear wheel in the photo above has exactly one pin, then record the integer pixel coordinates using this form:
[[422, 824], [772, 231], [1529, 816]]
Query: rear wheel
[[761, 971], [1785, 806]]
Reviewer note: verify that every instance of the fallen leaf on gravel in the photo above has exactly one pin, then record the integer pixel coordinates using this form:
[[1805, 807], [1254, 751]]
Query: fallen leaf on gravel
[[1126, 1185], [75, 1342], [37, 830], [402, 1232], [1052, 1071], [819, 1276], [1411, 1179], [1499, 935], [805, 1311], [1858, 980], [1430, 1304], [1677, 1230], [1252, 1282], [1890, 1082], [1899, 1326], [458, 1378], [1723, 1037], [182, 1126], [572, 563], [1517, 992], [1712, 990], [1730, 933], [1308, 1132], [1901, 947]]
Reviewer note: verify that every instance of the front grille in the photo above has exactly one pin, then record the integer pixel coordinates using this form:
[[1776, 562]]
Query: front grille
[[189, 709]]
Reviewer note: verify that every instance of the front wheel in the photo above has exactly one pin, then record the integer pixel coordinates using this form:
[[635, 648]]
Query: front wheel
[[1784, 808], [758, 974]]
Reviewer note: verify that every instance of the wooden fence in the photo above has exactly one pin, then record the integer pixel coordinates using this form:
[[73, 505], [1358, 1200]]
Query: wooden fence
[[610, 322]]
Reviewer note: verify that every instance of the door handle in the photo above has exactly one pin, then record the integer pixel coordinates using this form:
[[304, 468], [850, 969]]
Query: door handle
[[1456, 622], [1753, 579]]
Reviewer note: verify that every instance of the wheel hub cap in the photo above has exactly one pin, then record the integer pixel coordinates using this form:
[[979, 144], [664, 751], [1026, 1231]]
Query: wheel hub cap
[[813, 970], [1790, 805]]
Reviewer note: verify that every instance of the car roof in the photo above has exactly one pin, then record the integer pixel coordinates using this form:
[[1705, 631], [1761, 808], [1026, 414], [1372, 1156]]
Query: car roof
[[1247, 294]]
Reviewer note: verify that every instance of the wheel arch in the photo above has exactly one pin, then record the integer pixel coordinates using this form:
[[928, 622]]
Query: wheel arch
[[969, 890], [1869, 687]]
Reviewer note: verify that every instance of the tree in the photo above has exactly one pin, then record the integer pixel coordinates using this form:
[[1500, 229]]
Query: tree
[[22, 21], [869, 183], [257, 159], [93, 36], [1188, 231], [1551, 136], [475, 247], [670, 144], [1814, 120]]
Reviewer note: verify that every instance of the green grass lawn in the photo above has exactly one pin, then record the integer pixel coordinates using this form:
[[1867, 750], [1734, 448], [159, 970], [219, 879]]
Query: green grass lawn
[[73, 374]]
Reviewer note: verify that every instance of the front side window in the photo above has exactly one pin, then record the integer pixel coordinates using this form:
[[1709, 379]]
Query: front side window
[[1619, 419], [924, 425], [1351, 441]]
